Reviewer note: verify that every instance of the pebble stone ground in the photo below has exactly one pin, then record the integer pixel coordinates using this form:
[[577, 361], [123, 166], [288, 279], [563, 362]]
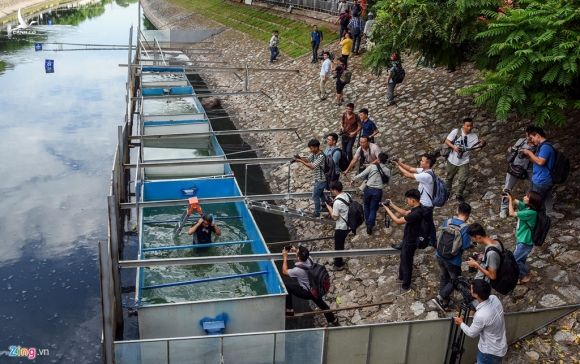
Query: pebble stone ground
[[427, 109]]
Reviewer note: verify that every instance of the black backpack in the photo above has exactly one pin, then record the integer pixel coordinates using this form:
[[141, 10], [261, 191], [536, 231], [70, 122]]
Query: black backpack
[[450, 241], [398, 73], [543, 225], [343, 162], [330, 169], [384, 177], [508, 272], [318, 278], [561, 168], [356, 214]]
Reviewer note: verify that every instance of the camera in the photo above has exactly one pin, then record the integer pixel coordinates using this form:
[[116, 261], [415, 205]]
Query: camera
[[288, 248], [461, 152], [387, 202], [329, 200], [475, 257], [463, 285], [393, 160]]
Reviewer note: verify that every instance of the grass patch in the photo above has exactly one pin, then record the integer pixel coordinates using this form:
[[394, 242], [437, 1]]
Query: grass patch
[[259, 24]]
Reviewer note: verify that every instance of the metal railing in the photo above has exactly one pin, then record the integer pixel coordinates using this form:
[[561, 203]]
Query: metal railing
[[323, 6], [422, 341]]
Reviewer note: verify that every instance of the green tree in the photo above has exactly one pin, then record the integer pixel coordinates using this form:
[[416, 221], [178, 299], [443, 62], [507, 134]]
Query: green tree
[[441, 32], [533, 56]]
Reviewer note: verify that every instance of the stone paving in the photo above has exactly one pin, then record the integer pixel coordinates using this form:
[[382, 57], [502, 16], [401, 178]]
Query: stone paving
[[427, 109]]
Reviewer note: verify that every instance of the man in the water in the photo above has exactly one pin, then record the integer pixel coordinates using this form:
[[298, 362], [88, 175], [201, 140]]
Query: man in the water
[[203, 229]]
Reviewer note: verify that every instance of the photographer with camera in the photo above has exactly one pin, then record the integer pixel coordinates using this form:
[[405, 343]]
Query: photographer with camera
[[366, 154], [461, 141], [490, 260], [377, 176], [543, 164], [338, 210], [488, 323], [518, 169], [297, 282], [426, 178], [452, 241], [526, 212], [316, 163], [412, 219]]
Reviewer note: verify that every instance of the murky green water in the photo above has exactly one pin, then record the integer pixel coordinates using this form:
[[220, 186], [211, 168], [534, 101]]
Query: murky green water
[[169, 106], [158, 234]]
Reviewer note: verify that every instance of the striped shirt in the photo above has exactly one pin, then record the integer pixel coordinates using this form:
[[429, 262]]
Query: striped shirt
[[317, 160], [356, 25]]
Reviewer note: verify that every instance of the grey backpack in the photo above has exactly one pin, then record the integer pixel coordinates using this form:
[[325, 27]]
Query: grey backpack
[[449, 240]]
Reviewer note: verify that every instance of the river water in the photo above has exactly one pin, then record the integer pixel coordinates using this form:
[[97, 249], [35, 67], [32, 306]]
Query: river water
[[58, 134]]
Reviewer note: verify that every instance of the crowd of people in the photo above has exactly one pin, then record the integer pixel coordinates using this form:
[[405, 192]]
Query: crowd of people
[[353, 156], [333, 168]]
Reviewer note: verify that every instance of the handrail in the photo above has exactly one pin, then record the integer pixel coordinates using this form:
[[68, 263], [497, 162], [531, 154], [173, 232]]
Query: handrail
[[253, 258], [197, 246], [205, 280]]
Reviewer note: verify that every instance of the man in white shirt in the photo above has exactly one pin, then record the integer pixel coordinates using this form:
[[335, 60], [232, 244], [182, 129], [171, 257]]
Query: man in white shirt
[[367, 153], [325, 70], [461, 141], [488, 323], [424, 176], [339, 213]]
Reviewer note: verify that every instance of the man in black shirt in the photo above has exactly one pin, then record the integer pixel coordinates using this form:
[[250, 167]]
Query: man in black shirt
[[203, 229], [412, 220]]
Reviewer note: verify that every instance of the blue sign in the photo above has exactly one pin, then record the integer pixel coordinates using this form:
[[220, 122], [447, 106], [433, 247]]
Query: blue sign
[[37, 46], [49, 65], [49, 21]]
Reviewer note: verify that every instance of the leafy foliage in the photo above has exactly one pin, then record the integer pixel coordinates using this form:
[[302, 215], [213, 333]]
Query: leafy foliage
[[529, 54], [534, 55], [441, 31]]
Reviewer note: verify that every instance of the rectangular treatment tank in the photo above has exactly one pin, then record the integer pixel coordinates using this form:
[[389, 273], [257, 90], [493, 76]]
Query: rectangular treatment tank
[[179, 315], [206, 147]]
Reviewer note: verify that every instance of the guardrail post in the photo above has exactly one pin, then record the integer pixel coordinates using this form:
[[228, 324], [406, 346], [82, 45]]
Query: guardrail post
[[106, 304], [114, 237]]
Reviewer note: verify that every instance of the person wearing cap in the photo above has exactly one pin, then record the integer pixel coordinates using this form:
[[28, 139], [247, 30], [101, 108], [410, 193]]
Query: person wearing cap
[[203, 229]]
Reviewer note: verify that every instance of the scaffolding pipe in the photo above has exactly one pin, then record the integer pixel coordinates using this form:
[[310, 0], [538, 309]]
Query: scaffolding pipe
[[212, 200], [197, 246], [217, 218], [212, 133], [206, 161], [205, 280], [253, 258]]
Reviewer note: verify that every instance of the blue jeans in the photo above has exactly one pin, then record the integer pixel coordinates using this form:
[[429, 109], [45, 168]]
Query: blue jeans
[[447, 277], [347, 145], [318, 195], [483, 358], [273, 53], [546, 192], [371, 197], [521, 254]]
